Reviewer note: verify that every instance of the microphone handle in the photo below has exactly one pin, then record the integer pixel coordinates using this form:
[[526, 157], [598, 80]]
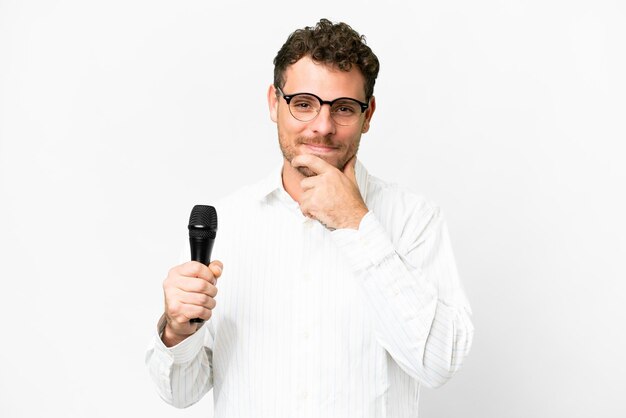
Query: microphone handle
[[201, 251]]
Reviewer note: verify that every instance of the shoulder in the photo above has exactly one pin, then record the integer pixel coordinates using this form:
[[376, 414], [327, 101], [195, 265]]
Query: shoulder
[[251, 194], [248, 203]]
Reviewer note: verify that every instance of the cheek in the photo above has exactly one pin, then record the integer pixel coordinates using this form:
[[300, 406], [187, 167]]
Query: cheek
[[287, 129], [353, 140]]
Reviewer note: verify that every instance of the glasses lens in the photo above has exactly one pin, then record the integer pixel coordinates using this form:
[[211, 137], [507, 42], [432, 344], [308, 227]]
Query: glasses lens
[[346, 112], [304, 107]]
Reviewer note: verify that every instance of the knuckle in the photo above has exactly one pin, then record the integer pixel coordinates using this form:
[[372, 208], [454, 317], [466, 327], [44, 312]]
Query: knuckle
[[203, 287], [207, 288], [174, 271], [169, 289], [205, 300], [198, 312], [170, 281], [210, 290], [167, 282], [173, 308], [195, 268]]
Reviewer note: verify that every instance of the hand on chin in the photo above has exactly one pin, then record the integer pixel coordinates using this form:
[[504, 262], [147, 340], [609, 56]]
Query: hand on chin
[[330, 159]]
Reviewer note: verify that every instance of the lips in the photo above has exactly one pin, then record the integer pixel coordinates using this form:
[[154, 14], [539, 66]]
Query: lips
[[320, 148]]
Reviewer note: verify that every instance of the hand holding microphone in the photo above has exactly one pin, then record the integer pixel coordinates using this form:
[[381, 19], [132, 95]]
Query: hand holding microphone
[[190, 287]]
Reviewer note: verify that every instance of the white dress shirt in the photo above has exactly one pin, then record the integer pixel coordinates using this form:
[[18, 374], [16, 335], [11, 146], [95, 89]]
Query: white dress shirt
[[317, 323]]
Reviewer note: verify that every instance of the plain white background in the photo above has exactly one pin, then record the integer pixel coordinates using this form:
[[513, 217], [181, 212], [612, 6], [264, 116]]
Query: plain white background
[[116, 117]]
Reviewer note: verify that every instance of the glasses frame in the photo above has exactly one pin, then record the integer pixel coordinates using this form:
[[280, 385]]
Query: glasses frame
[[289, 97]]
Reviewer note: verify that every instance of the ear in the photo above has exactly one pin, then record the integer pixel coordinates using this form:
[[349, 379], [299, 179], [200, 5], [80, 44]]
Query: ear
[[272, 102], [368, 115]]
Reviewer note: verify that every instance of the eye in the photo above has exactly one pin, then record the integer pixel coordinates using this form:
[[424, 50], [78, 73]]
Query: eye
[[304, 103], [345, 108]]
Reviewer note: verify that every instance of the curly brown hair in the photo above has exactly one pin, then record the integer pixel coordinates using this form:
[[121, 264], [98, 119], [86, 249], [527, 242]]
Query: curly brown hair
[[335, 44]]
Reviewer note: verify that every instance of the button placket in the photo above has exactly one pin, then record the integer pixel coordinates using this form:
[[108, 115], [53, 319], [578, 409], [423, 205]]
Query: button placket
[[304, 287]]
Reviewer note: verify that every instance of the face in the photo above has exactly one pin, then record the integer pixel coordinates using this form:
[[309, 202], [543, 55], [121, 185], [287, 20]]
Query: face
[[336, 144]]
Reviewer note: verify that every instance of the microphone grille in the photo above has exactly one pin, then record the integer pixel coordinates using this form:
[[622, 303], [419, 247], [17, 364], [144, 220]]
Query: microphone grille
[[203, 221]]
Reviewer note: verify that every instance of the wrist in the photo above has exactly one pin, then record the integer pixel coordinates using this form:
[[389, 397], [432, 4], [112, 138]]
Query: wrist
[[170, 338], [355, 220]]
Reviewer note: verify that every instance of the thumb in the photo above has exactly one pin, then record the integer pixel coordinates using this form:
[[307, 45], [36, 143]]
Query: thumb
[[349, 170], [216, 268]]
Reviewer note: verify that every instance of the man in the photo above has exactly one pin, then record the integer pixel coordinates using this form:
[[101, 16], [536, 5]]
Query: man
[[342, 295]]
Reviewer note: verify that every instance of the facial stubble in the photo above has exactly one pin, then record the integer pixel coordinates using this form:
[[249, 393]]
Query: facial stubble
[[289, 152]]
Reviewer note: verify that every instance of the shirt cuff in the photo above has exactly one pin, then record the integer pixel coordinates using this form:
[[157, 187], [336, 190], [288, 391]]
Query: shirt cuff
[[183, 352], [367, 246]]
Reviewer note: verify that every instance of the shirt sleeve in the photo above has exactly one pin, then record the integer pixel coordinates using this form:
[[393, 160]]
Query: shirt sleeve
[[182, 373], [420, 313]]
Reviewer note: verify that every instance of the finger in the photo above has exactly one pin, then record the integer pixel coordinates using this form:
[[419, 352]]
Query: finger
[[194, 311], [216, 268], [308, 183], [199, 270], [179, 313], [194, 269], [196, 285], [312, 162], [349, 169], [198, 299]]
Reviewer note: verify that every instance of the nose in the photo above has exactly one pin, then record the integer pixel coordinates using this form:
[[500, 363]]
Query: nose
[[323, 124]]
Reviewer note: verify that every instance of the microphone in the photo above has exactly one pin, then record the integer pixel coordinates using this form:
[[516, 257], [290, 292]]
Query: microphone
[[202, 230]]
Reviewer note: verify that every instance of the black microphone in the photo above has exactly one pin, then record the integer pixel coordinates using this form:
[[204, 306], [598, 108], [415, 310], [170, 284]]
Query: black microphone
[[202, 230]]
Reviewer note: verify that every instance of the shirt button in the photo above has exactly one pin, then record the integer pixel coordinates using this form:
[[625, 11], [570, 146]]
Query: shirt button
[[306, 277], [306, 334], [303, 395]]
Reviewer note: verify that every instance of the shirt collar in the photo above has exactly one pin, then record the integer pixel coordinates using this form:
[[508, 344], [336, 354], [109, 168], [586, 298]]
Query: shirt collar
[[273, 183]]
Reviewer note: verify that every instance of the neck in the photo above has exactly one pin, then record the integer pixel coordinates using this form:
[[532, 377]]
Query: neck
[[291, 181]]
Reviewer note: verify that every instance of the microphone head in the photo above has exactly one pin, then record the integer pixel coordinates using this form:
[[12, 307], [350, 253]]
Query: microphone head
[[203, 222]]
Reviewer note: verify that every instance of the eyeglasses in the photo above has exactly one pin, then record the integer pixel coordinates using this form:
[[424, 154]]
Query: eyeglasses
[[306, 106]]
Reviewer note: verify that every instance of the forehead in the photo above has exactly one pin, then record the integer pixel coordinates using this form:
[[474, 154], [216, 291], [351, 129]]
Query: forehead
[[326, 81]]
